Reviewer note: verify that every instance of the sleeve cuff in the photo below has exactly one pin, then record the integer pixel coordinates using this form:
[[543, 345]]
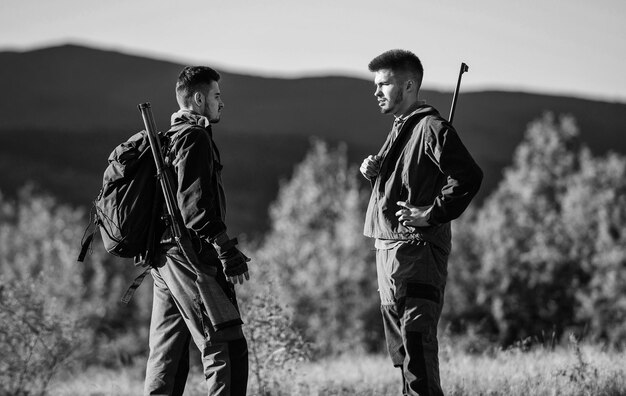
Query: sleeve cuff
[[215, 231], [431, 220]]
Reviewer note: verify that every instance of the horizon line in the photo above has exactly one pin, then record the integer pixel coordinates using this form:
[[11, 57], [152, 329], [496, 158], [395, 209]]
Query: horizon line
[[299, 75]]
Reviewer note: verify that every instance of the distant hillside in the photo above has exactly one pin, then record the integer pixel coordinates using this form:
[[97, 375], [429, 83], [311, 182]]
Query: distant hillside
[[64, 108]]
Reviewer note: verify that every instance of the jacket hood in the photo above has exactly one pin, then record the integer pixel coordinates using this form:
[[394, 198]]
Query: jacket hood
[[422, 110], [189, 117]]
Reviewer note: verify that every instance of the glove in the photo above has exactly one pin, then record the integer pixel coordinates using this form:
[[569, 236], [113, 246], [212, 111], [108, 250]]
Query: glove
[[233, 261]]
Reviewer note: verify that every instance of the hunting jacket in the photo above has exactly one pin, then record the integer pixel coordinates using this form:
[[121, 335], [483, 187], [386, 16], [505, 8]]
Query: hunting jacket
[[196, 163], [427, 164]]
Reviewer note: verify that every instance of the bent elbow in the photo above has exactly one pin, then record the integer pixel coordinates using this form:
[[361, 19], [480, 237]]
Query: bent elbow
[[477, 178]]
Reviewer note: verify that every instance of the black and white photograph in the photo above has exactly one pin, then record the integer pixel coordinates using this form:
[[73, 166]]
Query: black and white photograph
[[312, 198]]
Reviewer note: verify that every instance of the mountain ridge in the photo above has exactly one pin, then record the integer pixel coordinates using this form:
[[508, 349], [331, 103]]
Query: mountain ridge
[[65, 108]]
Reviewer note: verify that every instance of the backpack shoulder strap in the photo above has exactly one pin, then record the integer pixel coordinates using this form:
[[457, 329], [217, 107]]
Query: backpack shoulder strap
[[133, 287], [87, 239]]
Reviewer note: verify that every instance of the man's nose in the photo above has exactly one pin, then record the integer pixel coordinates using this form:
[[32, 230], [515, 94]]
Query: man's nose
[[378, 92]]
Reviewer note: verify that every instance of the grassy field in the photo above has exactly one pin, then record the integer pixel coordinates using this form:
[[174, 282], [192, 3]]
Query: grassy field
[[573, 370]]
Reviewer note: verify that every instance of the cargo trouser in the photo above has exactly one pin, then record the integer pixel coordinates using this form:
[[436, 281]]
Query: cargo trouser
[[411, 282], [179, 317]]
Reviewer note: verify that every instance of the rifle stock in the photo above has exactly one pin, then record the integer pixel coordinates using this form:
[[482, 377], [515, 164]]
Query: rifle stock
[[220, 309]]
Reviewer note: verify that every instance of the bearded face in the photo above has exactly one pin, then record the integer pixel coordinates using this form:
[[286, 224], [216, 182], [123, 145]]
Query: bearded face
[[389, 91]]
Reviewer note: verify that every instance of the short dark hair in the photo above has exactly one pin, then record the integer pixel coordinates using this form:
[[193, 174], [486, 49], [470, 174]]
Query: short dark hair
[[398, 60], [193, 76]]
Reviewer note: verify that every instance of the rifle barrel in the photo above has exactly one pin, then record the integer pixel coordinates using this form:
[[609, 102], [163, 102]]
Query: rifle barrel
[[162, 175], [464, 68]]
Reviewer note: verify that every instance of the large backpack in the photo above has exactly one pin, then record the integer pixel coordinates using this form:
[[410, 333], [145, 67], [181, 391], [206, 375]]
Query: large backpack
[[127, 208]]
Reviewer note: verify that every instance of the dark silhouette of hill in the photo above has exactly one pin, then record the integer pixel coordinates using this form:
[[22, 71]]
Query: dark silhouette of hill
[[64, 108]]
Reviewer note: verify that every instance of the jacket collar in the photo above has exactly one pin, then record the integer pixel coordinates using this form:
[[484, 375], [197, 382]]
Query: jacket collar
[[188, 116], [415, 108], [420, 110]]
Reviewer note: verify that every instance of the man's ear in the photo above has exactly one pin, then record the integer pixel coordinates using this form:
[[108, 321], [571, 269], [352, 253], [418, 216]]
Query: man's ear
[[198, 98], [410, 85]]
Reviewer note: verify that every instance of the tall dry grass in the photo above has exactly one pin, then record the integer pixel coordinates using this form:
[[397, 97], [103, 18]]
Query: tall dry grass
[[572, 370]]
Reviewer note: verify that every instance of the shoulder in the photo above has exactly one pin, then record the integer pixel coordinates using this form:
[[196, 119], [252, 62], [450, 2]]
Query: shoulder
[[189, 135], [434, 129], [429, 124], [435, 122], [434, 126]]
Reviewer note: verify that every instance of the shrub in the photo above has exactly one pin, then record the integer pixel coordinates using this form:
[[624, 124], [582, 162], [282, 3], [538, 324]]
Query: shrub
[[322, 264], [39, 243], [35, 338], [546, 251], [276, 347]]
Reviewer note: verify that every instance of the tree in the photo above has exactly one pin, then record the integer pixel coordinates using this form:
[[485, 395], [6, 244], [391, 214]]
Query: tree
[[52, 308], [529, 275], [594, 214], [41, 293], [546, 250], [316, 253]]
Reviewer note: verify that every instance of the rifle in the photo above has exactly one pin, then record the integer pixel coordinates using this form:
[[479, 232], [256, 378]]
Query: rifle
[[220, 309], [464, 68]]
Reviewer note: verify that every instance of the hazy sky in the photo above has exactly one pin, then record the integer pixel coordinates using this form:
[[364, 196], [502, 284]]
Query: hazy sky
[[551, 46]]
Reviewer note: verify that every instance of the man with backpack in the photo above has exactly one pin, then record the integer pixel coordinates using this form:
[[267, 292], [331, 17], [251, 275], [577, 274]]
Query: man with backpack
[[422, 178], [184, 309]]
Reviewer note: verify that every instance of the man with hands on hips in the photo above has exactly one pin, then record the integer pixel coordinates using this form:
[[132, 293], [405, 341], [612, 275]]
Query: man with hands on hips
[[410, 215], [422, 178]]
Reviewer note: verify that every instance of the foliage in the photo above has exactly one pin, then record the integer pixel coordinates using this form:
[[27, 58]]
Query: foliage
[[315, 249], [40, 293], [275, 346], [594, 214], [546, 250], [576, 370], [53, 307], [581, 373], [35, 339], [544, 254]]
